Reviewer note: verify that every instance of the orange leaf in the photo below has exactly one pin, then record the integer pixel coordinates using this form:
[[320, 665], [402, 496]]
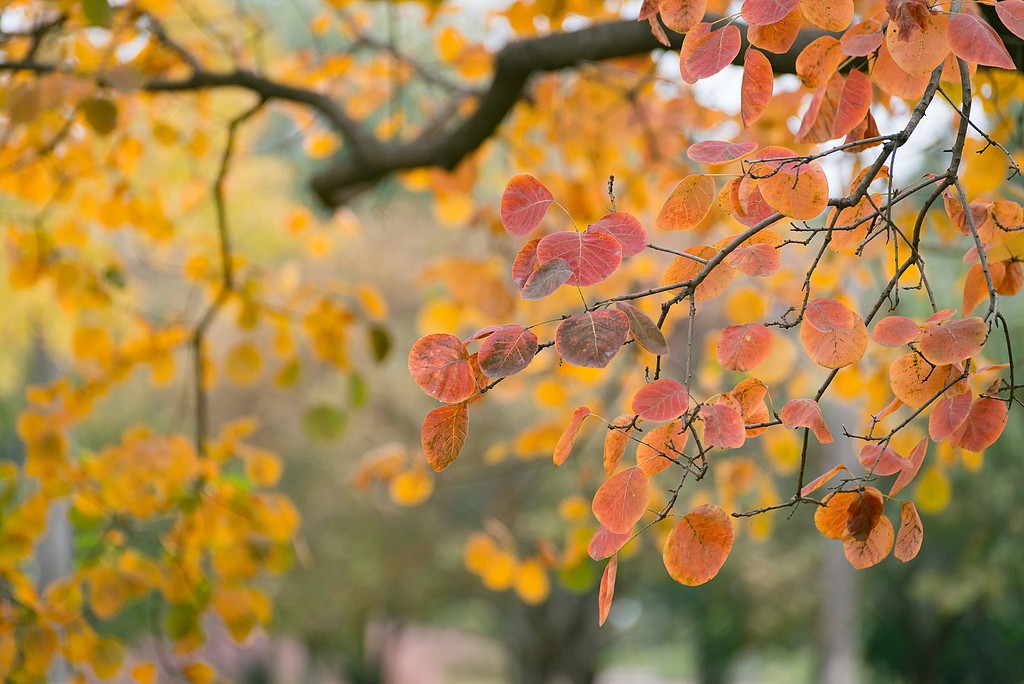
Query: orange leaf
[[953, 342], [524, 203], [723, 426], [767, 11], [688, 204], [711, 53], [818, 61], [806, 413], [830, 519], [698, 545], [831, 15], [661, 444], [525, 263], [882, 461], [757, 86], [888, 76], [895, 331], [682, 270], [915, 381], [692, 36], [949, 414], [444, 433], [854, 103], [615, 442], [861, 39], [591, 339], [743, 347], [833, 339], [873, 549], [439, 363], [864, 513], [911, 534], [622, 500], [568, 437], [920, 50], [983, 426], [607, 591], [973, 40], [792, 188], [907, 475], [660, 400], [821, 479], [777, 37], [605, 543], [759, 261], [719, 151], [682, 15]]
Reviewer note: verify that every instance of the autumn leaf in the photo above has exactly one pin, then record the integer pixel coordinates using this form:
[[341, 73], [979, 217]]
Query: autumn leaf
[[605, 543], [744, 347], [592, 257], [911, 534], [523, 204], [625, 228], [719, 151], [591, 339], [439, 363], [697, 547], [506, 351], [895, 331], [660, 400], [643, 329], [622, 500], [723, 426], [711, 53], [833, 336], [444, 434], [972, 39], [756, 87], [607, 589], [688, 204], [568, 436], [806, 413]]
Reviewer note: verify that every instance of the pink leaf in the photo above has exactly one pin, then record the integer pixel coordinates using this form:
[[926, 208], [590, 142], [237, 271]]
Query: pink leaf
[[973, 40], [882, 461], [622, 500], [719, 151], [591, 256], [806, 413], [895, 331], [744, 347], [723, 426], [660, 400], [625, 228], [711, 53], [524, 203]]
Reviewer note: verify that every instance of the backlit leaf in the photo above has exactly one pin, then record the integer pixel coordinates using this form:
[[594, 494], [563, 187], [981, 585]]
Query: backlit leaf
[[688, 204], [907, 475], [439, 363], [744, 347], [682, 15], [525, 263], [506, 351], [719, 151], [444, 433], [882, 461], [568, 437], [949, 414], [660, 400], [615, 442], [606, 543], [591, 256], [756, 87], [792, 188], [524, 203], [591, 339], [888, 76], [954, 341], [622, 500], [911, 534], [832, 335], [723, 426], [831, 15], [863, 38], [806, 413], [831, 518], [983, 426], [625, 228], [644, 330], [767, 11], [821, 479], [895, 331], [697, 547], [854, 103], [692, 36], [864, 513], [818, 61], [607, 590], [920, 50], [759, 261], [973, 40], [683, 270], [1011, 13], [713, 52], [873, 549], [663, 441], [777, 37], [915, 381]]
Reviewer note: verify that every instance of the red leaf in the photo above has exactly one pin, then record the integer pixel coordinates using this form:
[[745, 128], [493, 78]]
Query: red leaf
[[1011, 13], [908, 474], [954, 341], [744, 347], [663, 441], [828, 315], [939, 317], [895, 331], [757, 86], [607, 590], [719, 151], [508, 350], [524, 203], [911, 534], [882, 461], [692, 36], [525, 263], [767, 11], [973, 40], [806, 413], [759, 260], [723, 426], [864, 513], [644, 330], [820, 480], [697, 547], [547, 278], [443, 434], [568, 437], [660, 400], [605, 543], [949, 414], [983, 426], [713, 52], [854, 104], [439, 363], [688, 204], [622, 500], [591, 256], [909, 15], [860, 40], [625, 228], [591, 339]]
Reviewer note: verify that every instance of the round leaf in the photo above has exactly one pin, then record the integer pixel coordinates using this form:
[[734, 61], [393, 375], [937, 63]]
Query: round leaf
[[591, 339], [660, 400], [698, 545], [439, 363]]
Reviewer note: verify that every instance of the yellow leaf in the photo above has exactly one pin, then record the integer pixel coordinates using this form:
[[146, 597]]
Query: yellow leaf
[[532, 583], [746, 305], [199, 673], [411, 487], [933, 490], [262, 468], [320, 145], [244, 364], [144, 673]]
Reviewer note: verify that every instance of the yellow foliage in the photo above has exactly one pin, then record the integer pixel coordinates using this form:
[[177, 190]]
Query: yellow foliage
[[532, 584], [411, 487], [933, 490]]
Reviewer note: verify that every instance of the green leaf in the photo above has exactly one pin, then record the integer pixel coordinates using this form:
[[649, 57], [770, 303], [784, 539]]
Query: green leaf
[[97, 13], [100, 113], [380, 343], [324, 423], [357, 390]]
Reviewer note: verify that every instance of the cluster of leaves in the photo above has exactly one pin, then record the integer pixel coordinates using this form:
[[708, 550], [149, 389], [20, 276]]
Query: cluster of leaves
[[905, 50]]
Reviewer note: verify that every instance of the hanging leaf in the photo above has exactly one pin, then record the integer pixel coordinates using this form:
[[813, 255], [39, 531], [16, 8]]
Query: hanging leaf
[[591, 339], [750, 394], [911, 534], [831, 518], [983, 426], [872, 549], [792, 188], [547, 278], [831, 15], [1011, 13], [615, 442], [864, 513], [659, 445], [744, 347], [719, 151], [713, 52], [697, 547], [506, 351], [767, 11], [920, 49], [777, 37], [953, 342], [523, 204], [895, 331], [444, 433], [915, 381], [692, 36], [881, 460], [622, 500], [806, 413], [756, 87], [688, 204], [607, 590], [625, 228], [591, 256], [854, 104], [525, 263], [568, 437], [973, 40], [439, 363], [683, 270], [759, 261], [833, 336], [907, 475], [820, 480], [682, 15], [818, 61], [660, 400], [949, 414], [644, 330], [605, 543], [723, 426], [863, 38]]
